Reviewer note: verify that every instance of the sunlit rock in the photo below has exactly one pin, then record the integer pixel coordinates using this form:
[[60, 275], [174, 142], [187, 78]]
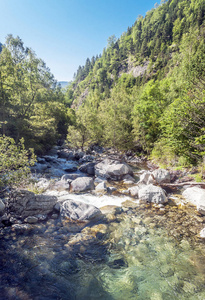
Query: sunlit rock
[[82, 184], [196, 196], [112, 171], [77, 210], [101, 187], [161, 176], [152, 193]]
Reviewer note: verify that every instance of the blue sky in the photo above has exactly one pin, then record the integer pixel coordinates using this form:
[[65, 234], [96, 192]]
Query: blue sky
[[65, 32]]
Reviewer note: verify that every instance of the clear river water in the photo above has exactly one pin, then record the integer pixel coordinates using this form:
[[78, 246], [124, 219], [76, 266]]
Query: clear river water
[[135, 252]]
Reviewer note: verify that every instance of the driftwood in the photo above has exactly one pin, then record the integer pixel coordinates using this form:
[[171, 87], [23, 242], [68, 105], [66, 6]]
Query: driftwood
[[184, 183]]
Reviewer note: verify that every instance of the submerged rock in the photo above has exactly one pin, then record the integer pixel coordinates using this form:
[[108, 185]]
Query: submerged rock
[[82, 184], [152, 193], [77, 210]]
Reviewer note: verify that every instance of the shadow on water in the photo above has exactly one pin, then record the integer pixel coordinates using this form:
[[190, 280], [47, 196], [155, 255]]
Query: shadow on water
[[51, 261]]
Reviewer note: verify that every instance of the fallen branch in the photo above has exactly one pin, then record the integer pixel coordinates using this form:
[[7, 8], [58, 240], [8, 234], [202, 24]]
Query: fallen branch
[[184, 183]]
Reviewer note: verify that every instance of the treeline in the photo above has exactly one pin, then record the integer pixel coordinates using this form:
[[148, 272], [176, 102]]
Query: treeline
[[32, 105], [159, 112]]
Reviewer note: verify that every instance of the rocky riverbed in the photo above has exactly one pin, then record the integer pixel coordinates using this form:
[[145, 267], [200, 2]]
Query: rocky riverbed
[[100, 229]]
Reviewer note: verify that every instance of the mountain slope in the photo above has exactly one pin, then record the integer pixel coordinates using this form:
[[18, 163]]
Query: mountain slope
[[139, 92]]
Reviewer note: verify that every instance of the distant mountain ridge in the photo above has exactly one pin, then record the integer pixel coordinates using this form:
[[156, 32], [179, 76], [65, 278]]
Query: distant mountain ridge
[[64, 83]]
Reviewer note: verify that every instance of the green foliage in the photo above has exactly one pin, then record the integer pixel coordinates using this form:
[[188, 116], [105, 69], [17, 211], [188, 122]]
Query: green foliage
[[32, 105], [15, 161], [160, 110]]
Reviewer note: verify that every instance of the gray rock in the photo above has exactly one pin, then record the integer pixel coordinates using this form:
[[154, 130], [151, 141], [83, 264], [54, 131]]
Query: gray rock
[[195, 196], [77, 210], [2, 207], [201, 209], [65, 154], [78, 155], [146, 178], [134, 191], [24, 203], [128, 179], [31, 220], [101, 187], [161, 176], [86, 158], [88, 168], [61, 185], [112, 171], [202, 233], [43, 183], [68, 177], [111, 189], [21, 228], [152, 193], [82, 184]]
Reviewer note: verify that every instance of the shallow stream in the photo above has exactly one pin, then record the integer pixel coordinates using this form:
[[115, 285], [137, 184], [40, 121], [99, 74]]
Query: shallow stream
[[135, 252]]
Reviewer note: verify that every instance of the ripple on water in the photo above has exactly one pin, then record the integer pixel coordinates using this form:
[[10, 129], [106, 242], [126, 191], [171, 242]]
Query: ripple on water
[[141, 255]]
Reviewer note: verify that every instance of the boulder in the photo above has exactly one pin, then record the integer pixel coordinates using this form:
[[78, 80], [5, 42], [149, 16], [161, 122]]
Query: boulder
[[101, 187], [195, 196], [2, 207], [23, 203], [152, 193], [114, 171], [82, 184], [77, 210], [161, 176], [88, 168]]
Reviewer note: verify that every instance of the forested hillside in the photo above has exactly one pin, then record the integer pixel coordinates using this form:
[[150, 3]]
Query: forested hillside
[[146, 91], [32, 105]]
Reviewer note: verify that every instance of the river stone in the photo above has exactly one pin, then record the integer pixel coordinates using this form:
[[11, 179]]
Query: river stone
[[195, 196], [112, 171], [161, 176], [82, 184], [133, 191], [128, 179], [73, 176], [2, 207], [42, 183], [152, 193], [65, 154], [146, 178], [88, 168], [101, 187], [77, 210], [86, 158], [31, 220], [23, 203], [202, 233]]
